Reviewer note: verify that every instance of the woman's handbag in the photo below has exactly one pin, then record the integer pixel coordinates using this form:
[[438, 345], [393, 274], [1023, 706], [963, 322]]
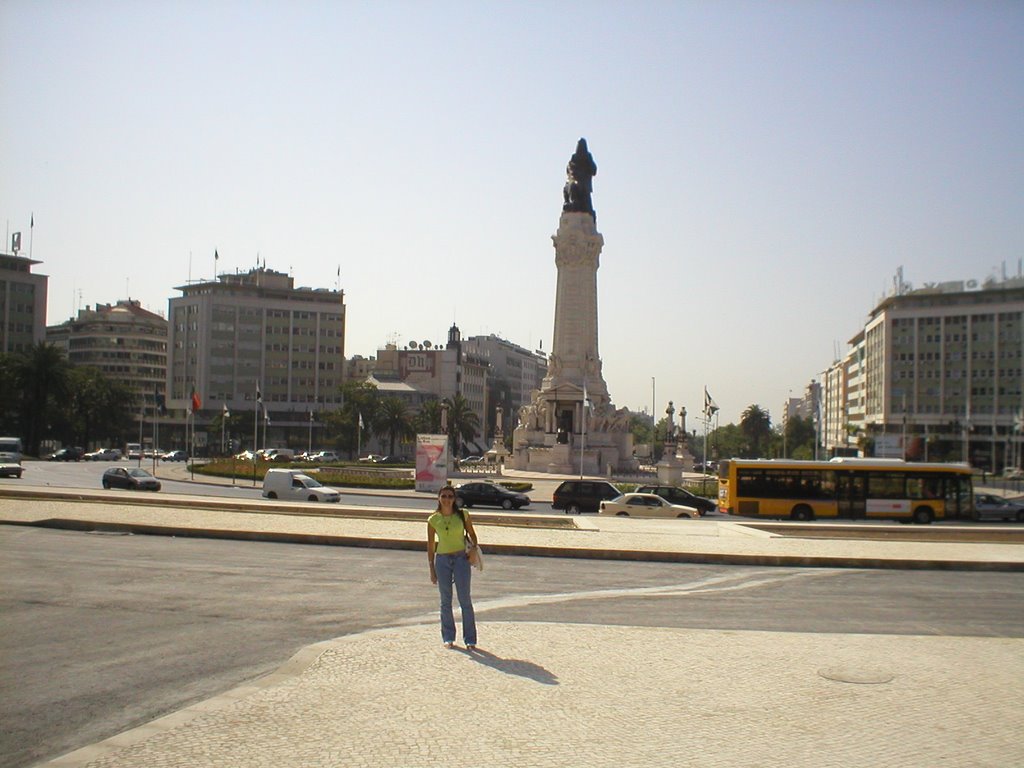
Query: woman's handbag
[[475, 555]]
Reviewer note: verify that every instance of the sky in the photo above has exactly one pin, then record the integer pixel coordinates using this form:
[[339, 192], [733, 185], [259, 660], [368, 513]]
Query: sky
[[764, 168]]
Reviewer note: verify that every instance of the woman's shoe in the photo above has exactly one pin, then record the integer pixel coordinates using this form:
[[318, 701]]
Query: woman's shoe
[[449, 645], [470, 647]]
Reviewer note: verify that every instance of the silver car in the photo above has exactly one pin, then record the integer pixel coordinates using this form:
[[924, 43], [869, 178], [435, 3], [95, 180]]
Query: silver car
[[990, 507]]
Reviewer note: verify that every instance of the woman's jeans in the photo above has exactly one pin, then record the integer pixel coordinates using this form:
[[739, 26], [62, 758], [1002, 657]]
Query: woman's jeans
[[454, 568]]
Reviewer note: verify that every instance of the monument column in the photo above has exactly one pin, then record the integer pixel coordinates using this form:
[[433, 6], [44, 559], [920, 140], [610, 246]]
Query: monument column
[[574, 352]]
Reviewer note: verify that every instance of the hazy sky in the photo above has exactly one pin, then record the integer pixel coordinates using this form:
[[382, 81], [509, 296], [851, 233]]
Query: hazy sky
[[763, 167]]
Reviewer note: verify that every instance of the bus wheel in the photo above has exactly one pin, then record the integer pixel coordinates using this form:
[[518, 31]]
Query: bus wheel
[[622, 514], [802, 512], [923, 515]]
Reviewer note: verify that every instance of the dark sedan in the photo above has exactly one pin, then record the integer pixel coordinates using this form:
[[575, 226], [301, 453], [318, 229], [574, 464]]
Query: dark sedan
[[489, 495], [676, 495], [130, 478], [66, 454]]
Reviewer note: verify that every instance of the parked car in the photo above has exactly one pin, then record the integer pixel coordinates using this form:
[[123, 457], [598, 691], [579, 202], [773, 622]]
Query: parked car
[[66, 454], [323, 457], [292, 484], [675, 495], [103, 454], [472, 460], [279, 454], [130, 478], [10, 465], [990, 507], [371, 458], [395, 460], [576, 496], [178, 455], [645, 505], [489, 495]]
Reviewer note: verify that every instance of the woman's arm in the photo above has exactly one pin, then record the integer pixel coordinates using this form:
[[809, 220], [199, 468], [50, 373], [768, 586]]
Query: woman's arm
[[471, 532], [430, 553]]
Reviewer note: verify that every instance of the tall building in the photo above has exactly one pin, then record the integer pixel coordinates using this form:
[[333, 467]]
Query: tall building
[[123, 341], [22, 304], [440, 372], [943, 373], [514, 372], [256, 328]]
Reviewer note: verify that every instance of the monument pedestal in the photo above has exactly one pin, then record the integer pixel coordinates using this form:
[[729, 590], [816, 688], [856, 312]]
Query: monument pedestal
[[670, 468]]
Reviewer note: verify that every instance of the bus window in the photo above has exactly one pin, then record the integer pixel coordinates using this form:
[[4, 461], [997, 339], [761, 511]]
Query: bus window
[[885, 485]]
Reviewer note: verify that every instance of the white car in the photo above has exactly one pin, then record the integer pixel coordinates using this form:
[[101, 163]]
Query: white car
[[645, 505], [323, 456], [103, 454]]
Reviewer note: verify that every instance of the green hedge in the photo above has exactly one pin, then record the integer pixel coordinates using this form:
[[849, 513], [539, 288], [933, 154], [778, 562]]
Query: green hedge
[[334, 475]]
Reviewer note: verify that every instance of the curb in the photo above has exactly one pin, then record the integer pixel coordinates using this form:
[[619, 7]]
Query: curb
[[526, 550]]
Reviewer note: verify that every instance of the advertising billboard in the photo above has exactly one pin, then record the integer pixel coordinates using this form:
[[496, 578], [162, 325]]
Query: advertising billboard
[[431, 462]]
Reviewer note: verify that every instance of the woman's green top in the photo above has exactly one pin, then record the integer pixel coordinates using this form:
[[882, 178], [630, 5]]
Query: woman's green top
[[450, 532]]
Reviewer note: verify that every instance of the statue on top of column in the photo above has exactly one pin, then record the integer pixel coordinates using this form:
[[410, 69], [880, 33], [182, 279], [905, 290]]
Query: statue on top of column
[[579, 185]]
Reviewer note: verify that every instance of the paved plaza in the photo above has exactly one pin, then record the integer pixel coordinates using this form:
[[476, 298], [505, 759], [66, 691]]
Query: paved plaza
[[555, 694], [547, 695]]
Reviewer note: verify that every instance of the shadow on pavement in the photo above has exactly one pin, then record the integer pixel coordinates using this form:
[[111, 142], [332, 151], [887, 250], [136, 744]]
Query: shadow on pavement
[[513, 666]]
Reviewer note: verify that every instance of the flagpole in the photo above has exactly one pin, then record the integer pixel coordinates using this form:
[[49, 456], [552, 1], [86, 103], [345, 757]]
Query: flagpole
[[255, 431]]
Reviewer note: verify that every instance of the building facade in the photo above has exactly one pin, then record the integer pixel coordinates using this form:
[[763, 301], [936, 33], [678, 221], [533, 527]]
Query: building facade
[[252, 330], [514, 372], [456, 369], [123, 341], [938, 374], [22, 304]]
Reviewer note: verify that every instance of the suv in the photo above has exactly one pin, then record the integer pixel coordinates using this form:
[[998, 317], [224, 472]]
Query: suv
[[576, 496], [675, 495]]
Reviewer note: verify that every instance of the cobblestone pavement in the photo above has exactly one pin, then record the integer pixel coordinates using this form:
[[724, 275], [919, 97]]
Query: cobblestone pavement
[[549, 695]]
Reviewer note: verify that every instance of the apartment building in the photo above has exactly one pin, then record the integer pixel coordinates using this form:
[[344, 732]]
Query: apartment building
[[256, 328], [22, 304], [123, 341], [938, 373], [440, 372], [513, 373]]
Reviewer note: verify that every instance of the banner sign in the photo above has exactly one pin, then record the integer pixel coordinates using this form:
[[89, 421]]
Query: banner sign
[[431, 462]]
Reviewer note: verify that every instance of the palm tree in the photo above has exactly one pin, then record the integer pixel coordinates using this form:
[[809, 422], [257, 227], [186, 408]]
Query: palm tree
[[429, 418], [463, 423], [393, 420], [42, 374], [756, 426]]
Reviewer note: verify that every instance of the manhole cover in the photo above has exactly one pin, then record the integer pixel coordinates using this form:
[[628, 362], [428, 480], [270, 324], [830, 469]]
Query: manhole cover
[[857, 675]]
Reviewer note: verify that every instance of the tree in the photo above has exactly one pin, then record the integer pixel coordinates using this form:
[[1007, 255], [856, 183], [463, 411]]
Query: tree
[[341, 425], [42, 376], [800, 437], [462, 422], [394, 420], [97, 408], [428, 420], [756, 426]]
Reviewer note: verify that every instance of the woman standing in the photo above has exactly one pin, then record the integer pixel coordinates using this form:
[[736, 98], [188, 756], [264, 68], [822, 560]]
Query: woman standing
[[451, 526]]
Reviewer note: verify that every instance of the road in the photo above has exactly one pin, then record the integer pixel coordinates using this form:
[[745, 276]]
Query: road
[[106, 632], [87, 474]]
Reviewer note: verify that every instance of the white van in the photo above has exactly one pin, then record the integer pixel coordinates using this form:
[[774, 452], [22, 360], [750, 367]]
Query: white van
[[293, 485]]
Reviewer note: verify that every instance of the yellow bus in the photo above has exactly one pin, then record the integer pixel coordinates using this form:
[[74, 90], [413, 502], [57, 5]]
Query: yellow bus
[[845, 488]]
